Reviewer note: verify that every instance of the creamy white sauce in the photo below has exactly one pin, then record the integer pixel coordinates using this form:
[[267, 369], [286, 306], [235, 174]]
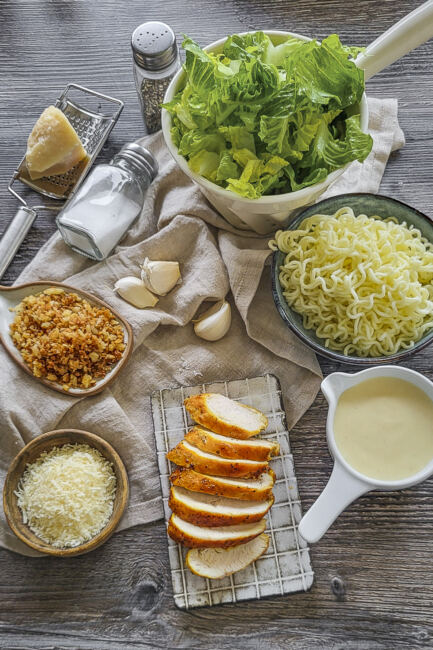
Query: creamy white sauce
[[383, 428]]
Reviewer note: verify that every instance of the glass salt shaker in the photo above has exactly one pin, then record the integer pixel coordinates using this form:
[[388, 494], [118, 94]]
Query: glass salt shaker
[[156, 61], [97, 217]]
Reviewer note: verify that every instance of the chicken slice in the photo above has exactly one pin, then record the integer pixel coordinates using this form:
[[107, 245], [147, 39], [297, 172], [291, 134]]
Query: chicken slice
[[187, 455], [193, 536], [223, 415], [210, 510], [215, 563], [226, 447], [259, 489]]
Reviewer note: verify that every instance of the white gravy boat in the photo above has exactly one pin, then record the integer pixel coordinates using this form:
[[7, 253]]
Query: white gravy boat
[[345, 483]]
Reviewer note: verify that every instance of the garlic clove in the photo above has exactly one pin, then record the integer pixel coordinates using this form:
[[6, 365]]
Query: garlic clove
[[135, 292], [215, 322], [160, 277]]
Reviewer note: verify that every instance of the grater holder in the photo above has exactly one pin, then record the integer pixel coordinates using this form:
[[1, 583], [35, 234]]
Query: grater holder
[[93, 126]]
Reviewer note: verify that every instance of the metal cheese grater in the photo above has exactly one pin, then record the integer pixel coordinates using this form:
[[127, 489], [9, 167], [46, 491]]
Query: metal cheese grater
[[92, 115]]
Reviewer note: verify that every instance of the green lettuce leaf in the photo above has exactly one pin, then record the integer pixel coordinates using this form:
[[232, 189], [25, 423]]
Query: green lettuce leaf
[[243, 188], [274, 132], [205, 163], [325, 74], [195, 140], [259, 174], [243, 156], [227, 167], [317, 175], [333, 152], [200, 67], [276, 54], [239, 137], [356, 145], [247, 46]]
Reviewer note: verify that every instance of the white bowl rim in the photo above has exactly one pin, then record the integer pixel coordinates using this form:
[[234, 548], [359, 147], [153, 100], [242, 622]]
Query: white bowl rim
[[298, 195]]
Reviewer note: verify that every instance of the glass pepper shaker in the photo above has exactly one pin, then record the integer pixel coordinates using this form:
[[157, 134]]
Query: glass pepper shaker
[[107, 203], [156, 61]]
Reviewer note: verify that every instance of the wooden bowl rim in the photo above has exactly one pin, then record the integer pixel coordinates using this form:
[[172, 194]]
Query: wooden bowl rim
[[116, 515], [91, 298]]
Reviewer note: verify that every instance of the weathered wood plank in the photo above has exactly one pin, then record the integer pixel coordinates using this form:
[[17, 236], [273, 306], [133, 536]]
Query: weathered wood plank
[[381, 548]]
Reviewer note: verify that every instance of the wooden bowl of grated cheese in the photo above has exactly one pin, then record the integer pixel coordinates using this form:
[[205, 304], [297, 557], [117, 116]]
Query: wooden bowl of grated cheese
[[65, 492]]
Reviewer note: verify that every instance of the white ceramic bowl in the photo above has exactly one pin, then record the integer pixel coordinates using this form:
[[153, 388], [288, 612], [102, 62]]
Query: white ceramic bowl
[[266, 214]]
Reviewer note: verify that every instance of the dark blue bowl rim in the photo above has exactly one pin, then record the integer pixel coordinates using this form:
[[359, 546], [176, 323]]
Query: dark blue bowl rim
[[319, 349]]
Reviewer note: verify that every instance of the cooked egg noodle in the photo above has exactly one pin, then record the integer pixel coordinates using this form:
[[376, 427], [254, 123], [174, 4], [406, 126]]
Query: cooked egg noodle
[[364, 284]]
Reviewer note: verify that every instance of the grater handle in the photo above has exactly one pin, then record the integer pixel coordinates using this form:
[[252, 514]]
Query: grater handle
[[14, 236]]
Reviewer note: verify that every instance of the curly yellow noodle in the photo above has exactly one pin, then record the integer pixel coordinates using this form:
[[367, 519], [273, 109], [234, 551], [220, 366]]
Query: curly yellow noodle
[[363, 284]]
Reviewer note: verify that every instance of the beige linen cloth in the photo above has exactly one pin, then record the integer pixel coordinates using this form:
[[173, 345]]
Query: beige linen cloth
[[177, 223]]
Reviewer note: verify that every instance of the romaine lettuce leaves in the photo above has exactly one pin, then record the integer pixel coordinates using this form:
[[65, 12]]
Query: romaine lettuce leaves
[[263, 118]]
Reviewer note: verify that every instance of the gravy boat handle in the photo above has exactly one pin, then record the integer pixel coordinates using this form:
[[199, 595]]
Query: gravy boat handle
[[341, 489], [410, 32]]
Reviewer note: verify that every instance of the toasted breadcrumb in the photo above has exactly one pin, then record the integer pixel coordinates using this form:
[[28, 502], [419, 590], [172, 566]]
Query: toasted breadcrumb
[[65, 339]]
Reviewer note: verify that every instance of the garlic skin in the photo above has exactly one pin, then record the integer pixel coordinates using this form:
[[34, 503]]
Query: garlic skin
[[160, 277], [135, 292], [215, 322]]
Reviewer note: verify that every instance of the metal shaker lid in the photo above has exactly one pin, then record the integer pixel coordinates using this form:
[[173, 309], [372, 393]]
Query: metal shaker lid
[[141, 156], [154, 46]]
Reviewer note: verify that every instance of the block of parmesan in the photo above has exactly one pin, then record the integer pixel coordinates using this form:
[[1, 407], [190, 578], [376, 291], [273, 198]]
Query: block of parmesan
[[53, 146]]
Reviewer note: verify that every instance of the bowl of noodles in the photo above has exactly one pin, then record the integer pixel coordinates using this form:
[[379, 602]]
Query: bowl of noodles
[[352, 277]]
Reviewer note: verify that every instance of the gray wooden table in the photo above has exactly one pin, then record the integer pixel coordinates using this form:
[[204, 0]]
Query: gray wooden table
[[381, 548]]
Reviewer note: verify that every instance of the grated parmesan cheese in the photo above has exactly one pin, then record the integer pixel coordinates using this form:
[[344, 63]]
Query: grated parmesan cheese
[[66, 496]]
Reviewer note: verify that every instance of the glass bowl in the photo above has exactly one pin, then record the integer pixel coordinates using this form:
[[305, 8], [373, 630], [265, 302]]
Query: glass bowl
[[371, 205]]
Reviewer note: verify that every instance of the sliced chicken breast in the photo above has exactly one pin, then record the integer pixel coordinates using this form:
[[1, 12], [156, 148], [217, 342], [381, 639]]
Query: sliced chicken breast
[[186, 455], [218, 563], [223, 536], [210, 510], [226, 447], [259, 489], [223, 415]]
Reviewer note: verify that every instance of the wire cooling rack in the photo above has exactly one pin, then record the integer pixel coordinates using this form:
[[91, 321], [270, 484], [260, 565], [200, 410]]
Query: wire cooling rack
[[286, 566]]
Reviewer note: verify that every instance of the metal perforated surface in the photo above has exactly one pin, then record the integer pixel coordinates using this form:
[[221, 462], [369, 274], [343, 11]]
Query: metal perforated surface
[[286, 566], [93, 116]]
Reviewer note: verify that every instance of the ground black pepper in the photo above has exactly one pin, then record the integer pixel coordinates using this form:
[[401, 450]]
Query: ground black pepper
[[156, 61], [152, 93]]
